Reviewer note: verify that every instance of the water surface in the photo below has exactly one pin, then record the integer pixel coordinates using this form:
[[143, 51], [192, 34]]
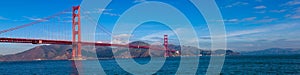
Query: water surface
[[233, 65]]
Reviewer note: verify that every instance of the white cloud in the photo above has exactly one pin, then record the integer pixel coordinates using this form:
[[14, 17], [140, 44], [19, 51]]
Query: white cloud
[[260, 7], [101, 9], [111, 14], [104, 11], [296, 17], [236, 4], [96, 11], [245, 32], [229, 20], [122, 36], [295, 14], [278, 11], [257, 30], [186, 33], [277, 36], [139, 1], [34, 19], [264, 29], [291, 3], [249, 19], [233, 20], [3, 18], [297, 10], [154, 35], [266, 20], [121, 39], [17, 20], [238, 20]]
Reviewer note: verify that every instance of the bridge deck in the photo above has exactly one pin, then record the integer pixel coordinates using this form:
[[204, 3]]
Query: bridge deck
[[63, 42]]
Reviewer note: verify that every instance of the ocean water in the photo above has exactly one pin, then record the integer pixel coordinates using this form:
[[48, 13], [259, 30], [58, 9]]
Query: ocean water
[[237, 65]]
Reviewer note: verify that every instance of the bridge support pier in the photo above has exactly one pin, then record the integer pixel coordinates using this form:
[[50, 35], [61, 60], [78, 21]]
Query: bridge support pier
[[76, 33], [166, 46]]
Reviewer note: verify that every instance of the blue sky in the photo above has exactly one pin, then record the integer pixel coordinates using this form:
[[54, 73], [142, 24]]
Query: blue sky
[[250, 24]]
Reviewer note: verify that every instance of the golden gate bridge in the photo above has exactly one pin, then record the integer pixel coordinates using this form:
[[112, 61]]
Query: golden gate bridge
[[76, 36]]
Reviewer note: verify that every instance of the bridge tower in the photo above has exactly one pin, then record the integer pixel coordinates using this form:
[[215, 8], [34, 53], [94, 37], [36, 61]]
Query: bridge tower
[[76, 33], [166, 45]]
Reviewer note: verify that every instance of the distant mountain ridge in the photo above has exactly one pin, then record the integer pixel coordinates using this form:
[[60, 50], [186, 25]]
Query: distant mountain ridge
[[274, 51], [63, 52], [45, 52]]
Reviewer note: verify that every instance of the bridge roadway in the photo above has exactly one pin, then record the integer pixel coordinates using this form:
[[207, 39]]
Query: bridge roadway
[[63, 42]]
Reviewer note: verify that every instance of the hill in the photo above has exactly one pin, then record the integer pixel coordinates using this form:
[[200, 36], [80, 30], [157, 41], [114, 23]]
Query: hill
[[274, 51], [63, 52], [45, 52]]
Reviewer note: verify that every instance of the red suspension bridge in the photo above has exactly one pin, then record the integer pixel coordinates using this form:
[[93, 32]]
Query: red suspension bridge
[[76, 36]]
